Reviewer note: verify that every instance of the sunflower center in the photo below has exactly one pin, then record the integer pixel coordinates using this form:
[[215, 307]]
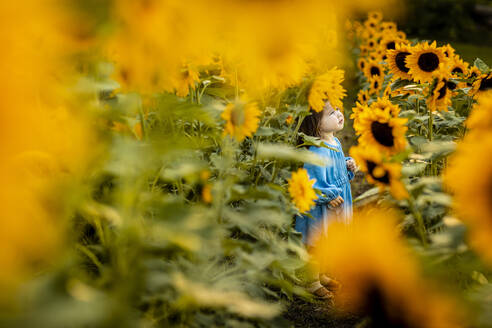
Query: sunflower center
[[442, 91], [486, 84], [375, 71], [391, 45], [371, 166], [376, 84], [457, 70], [428, 62], [383, 133], [451, 85], [400, 61], [237, 116]]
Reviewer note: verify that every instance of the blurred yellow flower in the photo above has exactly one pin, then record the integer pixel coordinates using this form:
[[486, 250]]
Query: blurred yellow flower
[[301, 190], [384, 285], [481, 115], [242, 119], [327, 87], [44, 138], [185, 80], [469, 177]]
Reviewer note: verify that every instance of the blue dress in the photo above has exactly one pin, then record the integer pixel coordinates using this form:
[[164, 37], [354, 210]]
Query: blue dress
[[333, 181]]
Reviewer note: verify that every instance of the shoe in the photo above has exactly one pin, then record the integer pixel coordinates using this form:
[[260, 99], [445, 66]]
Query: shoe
[[329, 283], [319, 291]]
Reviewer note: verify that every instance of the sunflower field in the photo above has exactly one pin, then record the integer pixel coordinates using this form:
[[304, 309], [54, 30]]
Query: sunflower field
[[152, 166]]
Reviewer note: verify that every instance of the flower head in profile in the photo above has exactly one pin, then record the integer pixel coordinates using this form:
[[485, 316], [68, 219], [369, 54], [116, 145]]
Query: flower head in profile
[[327, 87], [440, 97], [396, 62], [385, 175], [301, 190], [242, 119]]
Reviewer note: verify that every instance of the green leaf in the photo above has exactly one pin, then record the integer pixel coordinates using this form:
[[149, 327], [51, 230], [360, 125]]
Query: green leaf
[[313, 141], [289, 153], [400, 83], [481, 66], [265, 131], [439, 148], [413, 169]]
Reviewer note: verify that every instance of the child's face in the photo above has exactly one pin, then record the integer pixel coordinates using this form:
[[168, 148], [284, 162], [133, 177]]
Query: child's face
[[332, 119]]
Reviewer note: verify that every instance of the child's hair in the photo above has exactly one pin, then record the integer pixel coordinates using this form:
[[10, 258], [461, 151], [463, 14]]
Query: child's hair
[[310, 125]]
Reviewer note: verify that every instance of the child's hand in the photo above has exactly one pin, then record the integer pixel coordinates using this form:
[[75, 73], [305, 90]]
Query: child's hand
[[335, 202], [351, 166]]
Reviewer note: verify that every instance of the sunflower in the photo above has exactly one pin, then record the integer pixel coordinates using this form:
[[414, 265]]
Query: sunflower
[[469, 177], [401, 35], [376, 84], [473, 73], [361, 63], [327, 87], [375, 16], [481, 115], [242, 119], [356, 112], [384, 104], [425, 62], [364, 51], [482, 85], [389, 42], [301, 190], [372, 44], [384, 286], [448, 50], [459, 68], [373, 70], [441, 96], [388, 27], [387, 92], [363, 96], [371, 24], [186, 79], [379, 128], [396, 61], [385, 175]]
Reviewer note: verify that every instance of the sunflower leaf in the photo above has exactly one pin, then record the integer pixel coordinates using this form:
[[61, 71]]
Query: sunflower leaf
[[313, 141], [289, 153], [481, 66]]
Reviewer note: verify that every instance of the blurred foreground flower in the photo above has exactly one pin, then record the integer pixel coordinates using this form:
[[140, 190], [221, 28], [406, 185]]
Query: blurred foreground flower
[[242, 119], [384, 285], [301, 190]]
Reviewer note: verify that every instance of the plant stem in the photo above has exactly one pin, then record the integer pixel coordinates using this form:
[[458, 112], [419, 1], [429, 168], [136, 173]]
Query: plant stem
[[430, 137], [418, 217]]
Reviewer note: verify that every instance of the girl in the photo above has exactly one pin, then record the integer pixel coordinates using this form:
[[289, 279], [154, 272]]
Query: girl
[[334, 183]]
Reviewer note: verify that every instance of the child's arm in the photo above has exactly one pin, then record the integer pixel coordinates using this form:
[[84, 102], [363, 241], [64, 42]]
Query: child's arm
[[351, 167]]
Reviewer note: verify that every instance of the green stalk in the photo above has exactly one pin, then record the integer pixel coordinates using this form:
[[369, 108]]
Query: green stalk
[[418, 217], [430, 137]]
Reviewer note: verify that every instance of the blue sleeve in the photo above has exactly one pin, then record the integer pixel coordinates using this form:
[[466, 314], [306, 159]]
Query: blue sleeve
[[351, 174], [329, 190]]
